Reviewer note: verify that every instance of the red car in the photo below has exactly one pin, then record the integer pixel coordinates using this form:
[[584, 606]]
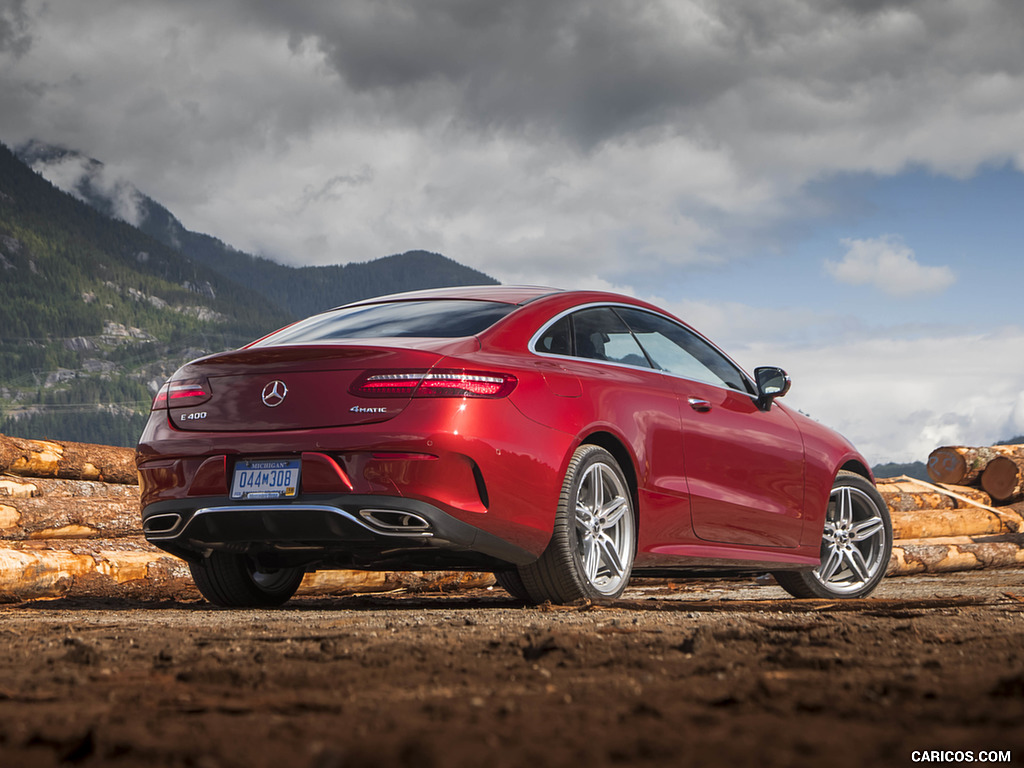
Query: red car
[[561, 439]]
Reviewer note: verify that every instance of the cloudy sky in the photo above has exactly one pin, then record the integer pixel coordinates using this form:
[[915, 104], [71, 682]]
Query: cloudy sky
[[835, 187]]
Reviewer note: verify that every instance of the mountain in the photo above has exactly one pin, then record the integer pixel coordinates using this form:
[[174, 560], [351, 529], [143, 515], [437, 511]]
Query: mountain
[[916, 469], [299, 291], [95, 312]]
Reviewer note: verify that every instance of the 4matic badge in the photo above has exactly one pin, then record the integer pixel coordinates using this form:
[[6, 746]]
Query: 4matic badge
[[361, 409]]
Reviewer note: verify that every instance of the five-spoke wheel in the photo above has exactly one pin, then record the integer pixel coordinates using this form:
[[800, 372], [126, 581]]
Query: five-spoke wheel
[[594, 539], [855, 546], [604, 528]]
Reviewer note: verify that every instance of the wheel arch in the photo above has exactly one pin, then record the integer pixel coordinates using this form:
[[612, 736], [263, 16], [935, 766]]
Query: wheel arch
[[565, 572], [617, 448], [859, 468]]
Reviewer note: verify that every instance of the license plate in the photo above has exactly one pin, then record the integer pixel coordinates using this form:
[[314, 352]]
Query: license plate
[[265, 479]]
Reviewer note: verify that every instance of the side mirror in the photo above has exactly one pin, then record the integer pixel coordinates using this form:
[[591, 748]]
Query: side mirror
[[772, 382]]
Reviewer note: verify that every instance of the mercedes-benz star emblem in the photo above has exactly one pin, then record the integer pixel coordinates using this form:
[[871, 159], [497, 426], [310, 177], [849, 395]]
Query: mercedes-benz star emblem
[[274, 394]]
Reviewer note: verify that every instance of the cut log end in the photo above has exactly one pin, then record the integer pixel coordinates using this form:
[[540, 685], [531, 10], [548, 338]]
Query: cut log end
[[963, 465], [1002, 478], [947, 465]]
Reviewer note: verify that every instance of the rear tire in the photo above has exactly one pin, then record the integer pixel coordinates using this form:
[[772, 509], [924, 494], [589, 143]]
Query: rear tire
[[512, 583], [235, 581], [855, 547], [590, 555]]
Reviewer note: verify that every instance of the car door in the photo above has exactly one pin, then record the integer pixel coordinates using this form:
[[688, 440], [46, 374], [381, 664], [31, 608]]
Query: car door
[[743, 464], [621, 391]]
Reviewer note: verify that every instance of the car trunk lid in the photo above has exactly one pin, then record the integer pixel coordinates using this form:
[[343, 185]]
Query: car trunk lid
[[287, 388]]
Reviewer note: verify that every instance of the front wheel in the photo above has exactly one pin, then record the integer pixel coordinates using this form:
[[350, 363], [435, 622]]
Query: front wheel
[[237, 581], [855, 546], [594, 539]]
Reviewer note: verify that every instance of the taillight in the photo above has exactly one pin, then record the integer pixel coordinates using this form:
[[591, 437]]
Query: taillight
[[182, 393], [436, 383], [383, 384], [466, 384]]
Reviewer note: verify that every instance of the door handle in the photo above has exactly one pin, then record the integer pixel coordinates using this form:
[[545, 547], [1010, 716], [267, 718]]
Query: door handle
[[701, 406]]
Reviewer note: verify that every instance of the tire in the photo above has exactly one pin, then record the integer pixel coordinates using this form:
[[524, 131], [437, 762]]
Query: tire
[[590, 555], [235, 581], [855, 546], [512, 583]]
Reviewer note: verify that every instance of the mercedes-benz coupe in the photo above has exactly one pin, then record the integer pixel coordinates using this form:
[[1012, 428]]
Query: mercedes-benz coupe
[[563, 440]]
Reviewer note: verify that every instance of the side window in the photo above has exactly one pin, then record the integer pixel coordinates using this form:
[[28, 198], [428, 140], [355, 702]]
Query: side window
[[675, 349], [557, 340], [600, 334]]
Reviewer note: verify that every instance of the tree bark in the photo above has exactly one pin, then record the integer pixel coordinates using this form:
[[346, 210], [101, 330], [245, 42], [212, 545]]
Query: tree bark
[[1003, 478], [55, 517], [122, 568], [963, 465], [133, 568], [904, 496], [963, 553], [352, 582], [969, 521], [75, 461], [12, 486]]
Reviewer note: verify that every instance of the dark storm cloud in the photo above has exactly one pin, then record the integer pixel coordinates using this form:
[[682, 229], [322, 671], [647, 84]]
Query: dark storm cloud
[[668, 121], [586, 70], [14, 35], [571, 72]]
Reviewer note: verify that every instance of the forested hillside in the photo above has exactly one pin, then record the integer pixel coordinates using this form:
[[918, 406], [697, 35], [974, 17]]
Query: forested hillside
[[302, 290], [95, 314], [297, 291]]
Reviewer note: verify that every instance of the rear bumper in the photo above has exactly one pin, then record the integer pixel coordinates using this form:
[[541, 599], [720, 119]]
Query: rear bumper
[[365, 531], [484, 476]]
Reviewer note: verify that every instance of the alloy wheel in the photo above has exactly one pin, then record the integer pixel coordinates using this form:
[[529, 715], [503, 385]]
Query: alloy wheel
[[604, 529], [853, 547]]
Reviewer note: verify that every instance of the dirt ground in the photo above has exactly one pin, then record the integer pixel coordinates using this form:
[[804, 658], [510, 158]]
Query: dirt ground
[[689, 673]]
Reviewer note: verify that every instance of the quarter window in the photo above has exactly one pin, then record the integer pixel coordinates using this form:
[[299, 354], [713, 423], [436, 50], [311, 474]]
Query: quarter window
[[557, 339], [600, 334]]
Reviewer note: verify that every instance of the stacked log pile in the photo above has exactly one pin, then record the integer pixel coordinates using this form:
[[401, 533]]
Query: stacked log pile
[[70, 526], [970, 517]]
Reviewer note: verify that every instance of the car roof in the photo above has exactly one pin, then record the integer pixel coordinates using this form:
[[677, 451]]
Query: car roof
[[504, 294]]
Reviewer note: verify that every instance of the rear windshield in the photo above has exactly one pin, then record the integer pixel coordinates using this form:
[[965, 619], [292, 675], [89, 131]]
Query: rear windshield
[[448, 318]]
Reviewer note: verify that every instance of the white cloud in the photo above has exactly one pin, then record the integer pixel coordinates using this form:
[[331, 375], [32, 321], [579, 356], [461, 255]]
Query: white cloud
[[896, 393], [84, 178], [899, 399], [890, 266]]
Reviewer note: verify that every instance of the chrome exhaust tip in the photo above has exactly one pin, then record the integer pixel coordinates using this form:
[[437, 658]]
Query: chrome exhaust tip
[[161, 525], [394, 521]]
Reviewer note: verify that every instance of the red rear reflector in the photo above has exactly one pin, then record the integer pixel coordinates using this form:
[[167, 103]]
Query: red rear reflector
[[396, 456], [437, 383]]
